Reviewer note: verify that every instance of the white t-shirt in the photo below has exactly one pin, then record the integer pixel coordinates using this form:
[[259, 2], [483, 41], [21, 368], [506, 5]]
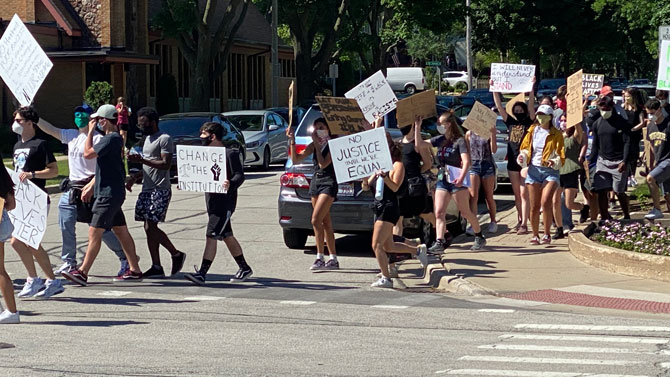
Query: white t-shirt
[[80, 167], [539, 139]]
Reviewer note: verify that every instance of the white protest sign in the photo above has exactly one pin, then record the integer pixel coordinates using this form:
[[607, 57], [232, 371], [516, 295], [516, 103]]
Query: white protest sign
[[201, 169], [512, 78], [592, 83], [359, 155], [30, 215], [374, 96], [663, 35], [23, 63], [664, 66]]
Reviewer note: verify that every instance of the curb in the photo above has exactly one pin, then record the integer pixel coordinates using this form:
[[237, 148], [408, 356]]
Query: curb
[[647, 266]]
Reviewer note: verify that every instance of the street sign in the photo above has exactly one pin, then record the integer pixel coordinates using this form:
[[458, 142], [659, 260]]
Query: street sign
[[333, 71], [433, 63]]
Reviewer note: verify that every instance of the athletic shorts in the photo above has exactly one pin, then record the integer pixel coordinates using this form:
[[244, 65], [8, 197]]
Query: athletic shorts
[[483, 168], [411, 206], [570, 180], [608, 177], [323, 184], [661, 173], [218, 225], [512, 165], [152, 205], [123, 127], [107, 213], [387, 211], [541, 174]]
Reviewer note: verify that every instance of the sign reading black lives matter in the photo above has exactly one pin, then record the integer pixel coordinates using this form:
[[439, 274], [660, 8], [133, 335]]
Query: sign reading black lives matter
[[359, 155], [201, 169], [592, 83], [30, 215]]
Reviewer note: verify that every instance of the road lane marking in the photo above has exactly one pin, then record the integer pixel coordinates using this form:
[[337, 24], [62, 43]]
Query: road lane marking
[[543, 326], [496, 310], [203, 298], [528, 347], [114, 293], [296, 302], [548, 360], [390, 306], [524, 373], [576, 338]]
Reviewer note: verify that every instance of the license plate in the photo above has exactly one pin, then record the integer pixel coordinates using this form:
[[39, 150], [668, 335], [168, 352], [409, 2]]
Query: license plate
[[345, 189]]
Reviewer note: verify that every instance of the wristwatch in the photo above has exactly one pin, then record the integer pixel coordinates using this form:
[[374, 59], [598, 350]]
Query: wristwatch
[[33, 173]]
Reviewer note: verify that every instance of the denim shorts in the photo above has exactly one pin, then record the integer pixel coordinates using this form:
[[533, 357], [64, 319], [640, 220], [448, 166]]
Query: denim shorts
[[444, 185], [6, 227], [482, 168], [661, 173], [541, 174]]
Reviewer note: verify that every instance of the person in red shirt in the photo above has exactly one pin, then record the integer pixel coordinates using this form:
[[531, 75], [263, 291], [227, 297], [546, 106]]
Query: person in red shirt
[[123, 115]]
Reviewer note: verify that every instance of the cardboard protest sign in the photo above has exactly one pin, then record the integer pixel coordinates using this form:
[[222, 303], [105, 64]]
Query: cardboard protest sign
[[509, 106], [30, 215], [374, 96], [290, 104], [359, 156], [343, 115], [481, 120], [663, 82], [512, 78], [23, 63], [201, 169], [574, 97], [592, 83], [422, 104]]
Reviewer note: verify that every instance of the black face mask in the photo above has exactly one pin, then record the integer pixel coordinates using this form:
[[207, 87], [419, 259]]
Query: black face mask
[[521, 116], [205, 141], [406, 130]]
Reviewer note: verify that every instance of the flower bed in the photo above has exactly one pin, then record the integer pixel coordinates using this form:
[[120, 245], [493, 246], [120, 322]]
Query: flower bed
[[638, 237]]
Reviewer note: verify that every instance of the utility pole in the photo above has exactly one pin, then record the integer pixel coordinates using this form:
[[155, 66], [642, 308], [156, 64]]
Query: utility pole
[[468, 43], [275, 54]]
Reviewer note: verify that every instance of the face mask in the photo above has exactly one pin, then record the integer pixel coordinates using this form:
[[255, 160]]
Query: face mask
[[629, 100], [592, 107], [322, 134], [17, 128], [205, 141], [663, 102], [99, 128], [606, 114], [563, 125], [544, 119], [520, 116], [441, 129], [80, 121]]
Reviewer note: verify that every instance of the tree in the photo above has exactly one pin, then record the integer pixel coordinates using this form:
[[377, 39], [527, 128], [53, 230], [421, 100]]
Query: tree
[[205, 37], [98, 94]]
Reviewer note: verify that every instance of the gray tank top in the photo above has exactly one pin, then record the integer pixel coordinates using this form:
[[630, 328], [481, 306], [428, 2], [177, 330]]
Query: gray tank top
[[480, 148]]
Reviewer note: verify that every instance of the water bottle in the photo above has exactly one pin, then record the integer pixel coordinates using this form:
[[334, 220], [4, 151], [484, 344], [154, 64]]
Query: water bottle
[[379, 191]]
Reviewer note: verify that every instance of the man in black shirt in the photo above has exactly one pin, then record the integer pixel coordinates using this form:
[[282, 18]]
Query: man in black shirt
[[610, 151], [220, 208], [658, 134]]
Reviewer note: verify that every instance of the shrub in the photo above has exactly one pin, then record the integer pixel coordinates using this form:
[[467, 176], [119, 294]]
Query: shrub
[[98, 93], [641, 238]]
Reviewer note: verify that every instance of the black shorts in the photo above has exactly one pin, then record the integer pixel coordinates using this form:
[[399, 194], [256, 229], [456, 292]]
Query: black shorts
[[411, 206], [323, 184], [107, 213], [570, 180], [387, 210], [123, 127], [511, 161], [218, 226]]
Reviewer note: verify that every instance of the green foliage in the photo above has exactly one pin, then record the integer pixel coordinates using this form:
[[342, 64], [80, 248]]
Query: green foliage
[[167, 98], [425, 45], [176, 17], [98, 93]]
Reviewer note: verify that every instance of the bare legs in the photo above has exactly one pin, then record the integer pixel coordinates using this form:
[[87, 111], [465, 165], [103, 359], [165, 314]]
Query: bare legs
[[321, 223], [520, 197], [27, 253], [6, 288], [382, 243], [95, 241]]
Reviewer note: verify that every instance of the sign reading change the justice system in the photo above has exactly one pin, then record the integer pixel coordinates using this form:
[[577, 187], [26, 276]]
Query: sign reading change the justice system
[[343, 115], [30, 215], [512, 78], [23, 63], [360, 155], [374, 96], [664, 66], [201, 169], [592, 83]]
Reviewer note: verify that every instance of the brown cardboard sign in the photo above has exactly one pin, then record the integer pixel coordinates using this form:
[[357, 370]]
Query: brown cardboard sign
[[481, 120], [422, 104], [343, 115], [574, 98]]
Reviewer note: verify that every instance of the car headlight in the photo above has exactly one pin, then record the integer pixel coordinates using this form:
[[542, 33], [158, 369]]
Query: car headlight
[[254, 144]]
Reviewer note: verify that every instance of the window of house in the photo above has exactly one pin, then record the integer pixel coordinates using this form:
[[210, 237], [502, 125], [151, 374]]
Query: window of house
[[287, 67]]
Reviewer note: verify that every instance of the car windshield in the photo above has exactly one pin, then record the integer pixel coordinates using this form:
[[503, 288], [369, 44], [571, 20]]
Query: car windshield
[[189, 126], [247, 122]]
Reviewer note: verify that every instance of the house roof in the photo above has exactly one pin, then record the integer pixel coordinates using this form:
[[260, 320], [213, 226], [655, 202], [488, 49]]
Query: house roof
[[62, 13]]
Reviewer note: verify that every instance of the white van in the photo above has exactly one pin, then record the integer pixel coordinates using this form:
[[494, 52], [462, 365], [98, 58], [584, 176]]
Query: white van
[[406, 79]]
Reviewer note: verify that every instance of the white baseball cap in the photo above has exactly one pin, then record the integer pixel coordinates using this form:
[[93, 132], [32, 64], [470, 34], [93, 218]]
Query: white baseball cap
[[105, 111], [545, 109]]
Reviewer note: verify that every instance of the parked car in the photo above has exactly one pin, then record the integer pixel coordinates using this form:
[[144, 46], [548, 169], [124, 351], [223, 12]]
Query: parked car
[[481, 94], [448, 101], [298, 113], [264, 134], [184, 129], [641, 82], [455, 78], [406, 79], [350, 213], [649, 89], [549, 87]]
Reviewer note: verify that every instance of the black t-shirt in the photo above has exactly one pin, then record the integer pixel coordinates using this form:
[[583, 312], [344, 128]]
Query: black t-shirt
[[110, 175], [32, 155], [221, 203], [328, 170], [611, 139], [658, 135], [517, 131]]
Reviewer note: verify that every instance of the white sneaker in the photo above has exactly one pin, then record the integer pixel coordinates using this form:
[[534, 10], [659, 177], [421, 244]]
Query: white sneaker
[[654, 214], [383, 282], [53, 287], [63, 268], [493, 227], [470, 231], [8, 317], [422, 255], [31, 287]]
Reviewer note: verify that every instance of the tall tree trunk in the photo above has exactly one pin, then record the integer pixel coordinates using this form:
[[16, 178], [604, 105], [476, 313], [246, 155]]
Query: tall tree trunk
[[200, 85], [305, 71]]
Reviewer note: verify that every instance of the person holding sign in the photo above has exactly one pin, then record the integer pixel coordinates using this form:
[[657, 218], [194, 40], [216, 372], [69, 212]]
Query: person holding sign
[[658, 134], [7, 203], [542, 150], [33, 161], [220, 209], [109, 193], [482, 174], [322, 190], [453, 180], [518, 123]]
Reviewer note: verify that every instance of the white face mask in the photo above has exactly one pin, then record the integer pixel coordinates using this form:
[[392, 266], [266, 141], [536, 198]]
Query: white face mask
[[441, 129], [606, 114], [322, 134], [17, 128]]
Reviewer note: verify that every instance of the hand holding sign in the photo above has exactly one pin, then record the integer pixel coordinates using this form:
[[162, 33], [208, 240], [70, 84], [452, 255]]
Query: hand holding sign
[[360, 155]]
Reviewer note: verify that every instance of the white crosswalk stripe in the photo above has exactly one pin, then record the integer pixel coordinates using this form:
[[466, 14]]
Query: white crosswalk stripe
[[524, 373], [548, 360], [579, 338], [546, 326], [528, 347]]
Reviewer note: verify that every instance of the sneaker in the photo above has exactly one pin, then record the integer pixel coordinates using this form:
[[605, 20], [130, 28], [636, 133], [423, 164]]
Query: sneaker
[[67, 266], [332, 264], [559, 234], [422, 255], [155, 272], [438, 247], [546, 239], [523, 230], [31, 287], [76, 276], [584, 213], [53, 287], [479, 243], [196, 277], [469, 231], [383, 282], [8, 317], [124, 267], [242, 275], [130, 276], [654, 214], [534, 241], [493, 227], [178, 262], [318, 264]]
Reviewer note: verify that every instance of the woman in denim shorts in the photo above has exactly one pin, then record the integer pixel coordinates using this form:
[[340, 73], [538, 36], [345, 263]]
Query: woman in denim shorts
[[542, 149], [483, 173], [9, 315]]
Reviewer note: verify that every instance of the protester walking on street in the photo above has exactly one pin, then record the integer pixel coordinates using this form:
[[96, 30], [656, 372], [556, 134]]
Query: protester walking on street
[[109, 193], [658, 134], [7, 203], [154, 200], [542, 150], [77, 198], [33, 161], [220, 209], [482, 174], [322, 190]]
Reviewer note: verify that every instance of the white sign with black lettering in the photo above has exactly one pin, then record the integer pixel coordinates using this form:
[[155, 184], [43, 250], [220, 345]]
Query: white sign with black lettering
[[30, 215], [374, 96], [201, 169], [511, 78], [360, 155], [23, 63]]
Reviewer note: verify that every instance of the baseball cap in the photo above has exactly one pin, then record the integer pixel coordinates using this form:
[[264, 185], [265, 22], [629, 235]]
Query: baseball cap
[[545, 109], [105, 111], [605, 90], [83, 109]]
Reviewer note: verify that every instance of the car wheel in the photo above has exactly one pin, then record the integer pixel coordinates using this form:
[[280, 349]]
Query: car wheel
[[295, 238], [266, 158], [410, 89]]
